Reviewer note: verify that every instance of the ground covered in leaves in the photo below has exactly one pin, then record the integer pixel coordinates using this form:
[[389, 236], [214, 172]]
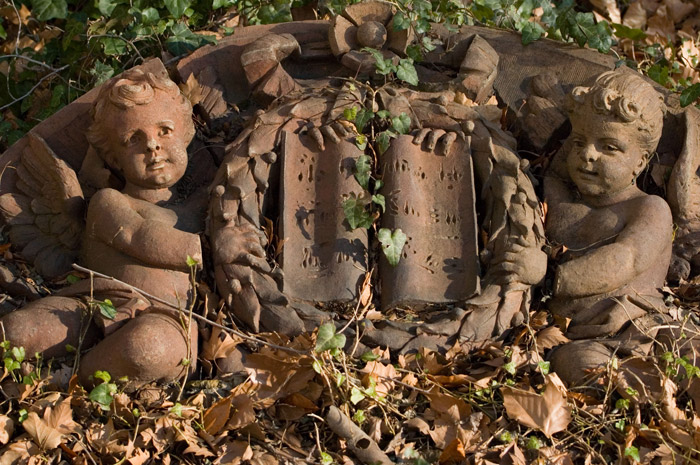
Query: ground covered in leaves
[[495, 402]]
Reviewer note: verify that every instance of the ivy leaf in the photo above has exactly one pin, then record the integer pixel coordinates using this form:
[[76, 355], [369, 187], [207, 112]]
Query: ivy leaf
[[633, 453], [222, 4], [401, 21], [183, 40], [361, 141], [383, 140], [363, 167], [624, 32], [363, 117], [177, 7], [531, 32], [379, 200], [602, 39], [690, 94], [103, 394], [43, 10], [328, 339], [356, 396], [392, 244], [356, 212], [401, 123], [107, 7], [72, 279], [102, 375], [658, 73], [383, 114], [3, 33], [19, 354], [101, 72], [149, 16], [381, 65], [191, 262], [407, 72], [107, 310], [114, 46], [350, 113]]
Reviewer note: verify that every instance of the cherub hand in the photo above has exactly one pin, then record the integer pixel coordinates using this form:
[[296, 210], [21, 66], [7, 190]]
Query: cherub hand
[[241, 245], [606, 322], [333, 132], [436, 139], [522, 263]]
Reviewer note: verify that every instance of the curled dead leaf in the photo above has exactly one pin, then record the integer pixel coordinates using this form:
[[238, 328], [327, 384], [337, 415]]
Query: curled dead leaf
[[547, 412]]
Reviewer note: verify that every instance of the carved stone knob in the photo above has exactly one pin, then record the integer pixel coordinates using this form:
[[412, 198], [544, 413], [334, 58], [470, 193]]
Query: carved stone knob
[[371, 34]]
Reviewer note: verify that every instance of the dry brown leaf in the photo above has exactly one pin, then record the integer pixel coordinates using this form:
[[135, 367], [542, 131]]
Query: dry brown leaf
[[381, 375], [45, 436], [19, 452], [608, 8], [660, 27], [550, 337], [217, 415], [547, 412], [233, 453], [635, 16], [220, 343], [678, 9], [7, 428], [243, 414], [139, 457], [419, 424], [453, 453]]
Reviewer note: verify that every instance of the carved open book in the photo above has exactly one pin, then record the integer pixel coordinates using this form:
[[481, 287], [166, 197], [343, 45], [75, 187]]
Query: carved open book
[[429, 197]]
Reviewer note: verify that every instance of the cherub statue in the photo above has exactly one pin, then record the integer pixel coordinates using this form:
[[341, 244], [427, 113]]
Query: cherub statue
[[616, 239], [142, 235]]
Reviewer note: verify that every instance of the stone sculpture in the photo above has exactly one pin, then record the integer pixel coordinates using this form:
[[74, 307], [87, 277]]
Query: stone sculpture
[[274, 189], [617, 239], [141, 234]]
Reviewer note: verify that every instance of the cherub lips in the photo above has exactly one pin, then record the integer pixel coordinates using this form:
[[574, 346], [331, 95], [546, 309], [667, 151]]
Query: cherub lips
[[587, 172], [156, 166]]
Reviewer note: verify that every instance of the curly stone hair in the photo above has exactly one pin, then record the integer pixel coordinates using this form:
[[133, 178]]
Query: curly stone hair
[[626, 96], [133, 87]]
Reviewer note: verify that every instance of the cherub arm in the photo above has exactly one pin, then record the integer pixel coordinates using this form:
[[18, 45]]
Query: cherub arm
[[112, 220], [635, 250]]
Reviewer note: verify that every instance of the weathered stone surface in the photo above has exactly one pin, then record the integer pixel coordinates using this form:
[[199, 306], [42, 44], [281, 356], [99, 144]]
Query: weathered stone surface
[[430, 197], [342, 35], [369, 11], [323, 259], [480, 68]]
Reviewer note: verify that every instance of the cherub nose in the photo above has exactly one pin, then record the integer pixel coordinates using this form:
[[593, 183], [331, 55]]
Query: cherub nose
[[152, 145], [589, 153]]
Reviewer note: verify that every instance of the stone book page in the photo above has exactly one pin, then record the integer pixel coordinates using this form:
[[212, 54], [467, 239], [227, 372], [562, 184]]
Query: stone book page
[[323, 260], [430, 197]]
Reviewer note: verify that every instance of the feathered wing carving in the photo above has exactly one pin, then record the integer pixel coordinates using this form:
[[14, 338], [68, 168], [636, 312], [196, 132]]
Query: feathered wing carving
[[45, 214]]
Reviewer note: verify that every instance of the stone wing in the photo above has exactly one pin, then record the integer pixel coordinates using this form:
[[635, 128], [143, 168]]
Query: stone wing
[[45, 214]]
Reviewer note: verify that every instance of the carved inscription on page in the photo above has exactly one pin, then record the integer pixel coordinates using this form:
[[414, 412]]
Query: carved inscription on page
[[430, 198], [323, 260]]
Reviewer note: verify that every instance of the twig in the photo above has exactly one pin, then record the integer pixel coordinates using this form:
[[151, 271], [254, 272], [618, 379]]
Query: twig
[[31, 60], [18, 99], [364, 447], [176, 309]]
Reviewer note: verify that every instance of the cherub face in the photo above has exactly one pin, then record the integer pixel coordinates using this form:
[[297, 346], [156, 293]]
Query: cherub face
[[149, 143], [605, 156]]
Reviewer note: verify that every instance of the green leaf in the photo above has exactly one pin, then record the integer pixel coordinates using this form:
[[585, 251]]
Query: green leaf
[[317, 366], [392, 244], [106, 7], [383, 114], [401, 123], [544, 367], [350, 113], [114, 46], [191, 262], [149, 16], [326, 458], [407, 72], [43, 10], [359, 417], [658, 73], [363, 168], [379, 200], [361, 141], [107, 310], [222, 4], [176, 409], [510, 367], [632, 452], [363, 117], [382, 66], [328, 339], [531, 32], [3, 33], [414, 52], [401, 21], [369, 357], [356, 213], [19, 354], [183, 40], [103, 394], [102, 375], [356, 396], [101, 73], [624, 32], [177, 7], [690, 94], [383, 140]]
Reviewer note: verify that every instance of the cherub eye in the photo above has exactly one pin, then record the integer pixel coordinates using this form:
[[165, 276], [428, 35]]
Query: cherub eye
[[133, 139], [611, 148], [578, 143], [165, 130]]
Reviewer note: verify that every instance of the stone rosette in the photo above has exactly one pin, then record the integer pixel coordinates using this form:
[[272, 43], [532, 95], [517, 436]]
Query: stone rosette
[[367, 25]]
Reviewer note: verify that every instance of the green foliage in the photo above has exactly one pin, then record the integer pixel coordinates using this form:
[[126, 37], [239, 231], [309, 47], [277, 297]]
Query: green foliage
[[103, 393], [328, 339], [392, 244]]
